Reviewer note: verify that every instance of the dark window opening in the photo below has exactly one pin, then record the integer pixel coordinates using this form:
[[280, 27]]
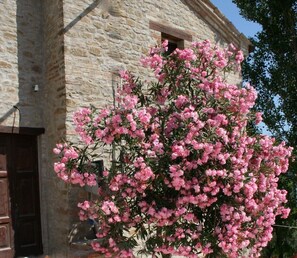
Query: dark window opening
[[173, 43], [171, 47]]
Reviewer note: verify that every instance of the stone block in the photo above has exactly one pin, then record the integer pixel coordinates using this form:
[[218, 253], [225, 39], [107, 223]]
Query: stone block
[[4, 64]]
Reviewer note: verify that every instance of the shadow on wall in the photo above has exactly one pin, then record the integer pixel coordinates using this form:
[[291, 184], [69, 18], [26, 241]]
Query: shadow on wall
[[41, 62], [103, 4], [29, 42], [10, 112]]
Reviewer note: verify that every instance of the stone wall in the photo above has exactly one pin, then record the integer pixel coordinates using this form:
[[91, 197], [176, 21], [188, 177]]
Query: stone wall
[[54, 193], [20, 63], [29, 62], [105, 36], [8, 62]]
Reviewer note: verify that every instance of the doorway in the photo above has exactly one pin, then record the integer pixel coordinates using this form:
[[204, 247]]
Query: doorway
[[20, 223]]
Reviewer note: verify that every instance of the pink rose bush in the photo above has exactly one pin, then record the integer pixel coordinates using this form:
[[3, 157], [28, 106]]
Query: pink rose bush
[[191, 177]]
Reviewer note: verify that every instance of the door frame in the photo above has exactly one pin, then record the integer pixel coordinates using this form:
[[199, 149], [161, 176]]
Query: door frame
[[23, 131]]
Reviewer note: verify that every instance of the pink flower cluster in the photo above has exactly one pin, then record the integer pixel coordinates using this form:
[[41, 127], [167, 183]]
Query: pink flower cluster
[[68, 167], [190, 178]]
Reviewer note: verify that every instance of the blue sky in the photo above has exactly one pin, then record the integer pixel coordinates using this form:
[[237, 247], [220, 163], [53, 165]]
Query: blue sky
[[231, 11]]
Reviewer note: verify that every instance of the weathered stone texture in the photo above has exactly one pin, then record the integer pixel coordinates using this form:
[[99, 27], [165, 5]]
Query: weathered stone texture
[[8, 63], [54, 193], [29, 61], [105, 36], [20, 62]]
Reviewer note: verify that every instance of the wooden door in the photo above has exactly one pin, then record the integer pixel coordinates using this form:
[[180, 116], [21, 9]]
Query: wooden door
[[6, 240], [22, 164]]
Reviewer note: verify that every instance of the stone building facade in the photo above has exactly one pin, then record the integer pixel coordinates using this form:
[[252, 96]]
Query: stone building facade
[[58, 55]]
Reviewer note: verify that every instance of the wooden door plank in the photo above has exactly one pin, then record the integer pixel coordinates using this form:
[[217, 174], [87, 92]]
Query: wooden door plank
[[6, 238], [28, 239]]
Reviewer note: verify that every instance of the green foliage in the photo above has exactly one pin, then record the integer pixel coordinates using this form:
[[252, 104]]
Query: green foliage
[[272, 69]]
